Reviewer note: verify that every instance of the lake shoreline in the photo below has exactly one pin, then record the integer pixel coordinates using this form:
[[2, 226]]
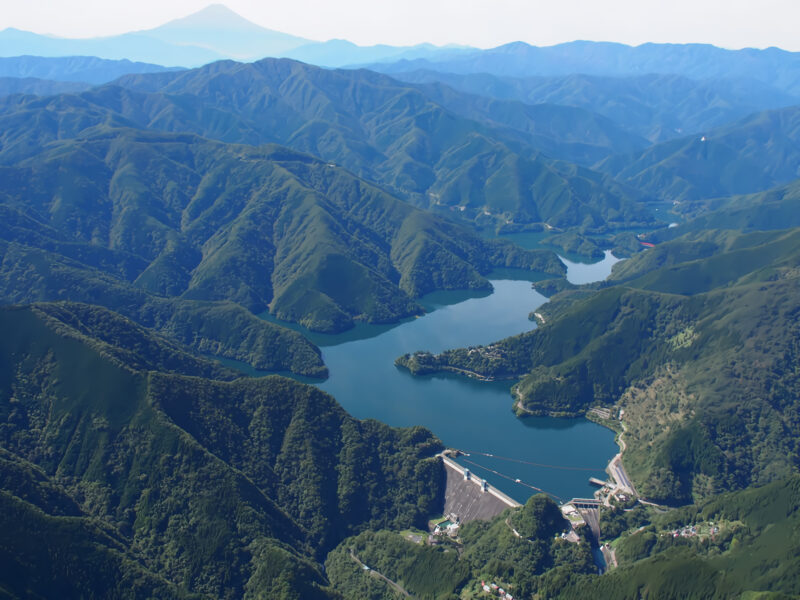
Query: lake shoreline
[[471, 414]]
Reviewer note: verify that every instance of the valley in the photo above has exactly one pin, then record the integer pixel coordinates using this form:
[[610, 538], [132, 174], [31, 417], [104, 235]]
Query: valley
[[287, 317]]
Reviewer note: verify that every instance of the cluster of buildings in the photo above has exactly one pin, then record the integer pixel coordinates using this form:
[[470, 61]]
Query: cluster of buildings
[[689, 531], [448, 527], [494, 589], [491, 351]]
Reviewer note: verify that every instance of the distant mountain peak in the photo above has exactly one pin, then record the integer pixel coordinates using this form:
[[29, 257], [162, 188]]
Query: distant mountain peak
[[219, 29], [216, 16]]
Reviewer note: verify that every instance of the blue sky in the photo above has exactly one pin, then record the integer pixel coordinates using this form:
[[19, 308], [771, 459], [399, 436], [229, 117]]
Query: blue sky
[[484, 23]]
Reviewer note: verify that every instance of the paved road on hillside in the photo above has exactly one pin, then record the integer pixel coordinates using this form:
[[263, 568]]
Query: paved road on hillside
[[375, 573]]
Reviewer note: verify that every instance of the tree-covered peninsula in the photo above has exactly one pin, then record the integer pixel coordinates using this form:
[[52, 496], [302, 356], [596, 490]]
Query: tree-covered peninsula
[[695, 341]]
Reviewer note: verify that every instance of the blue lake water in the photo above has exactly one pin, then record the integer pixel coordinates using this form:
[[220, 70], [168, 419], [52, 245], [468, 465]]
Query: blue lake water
[[554, 455], [579, 272]]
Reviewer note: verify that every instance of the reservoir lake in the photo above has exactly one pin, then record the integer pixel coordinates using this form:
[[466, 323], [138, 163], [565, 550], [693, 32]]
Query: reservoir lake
[[556, 456]]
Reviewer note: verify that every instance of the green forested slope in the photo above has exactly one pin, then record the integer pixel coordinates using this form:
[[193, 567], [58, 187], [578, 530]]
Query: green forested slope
[[753, 554], [124, 341], [221, 328], [701, 352], [50, 548], [534, 562], [144, 217], [559, 130], [777, 208], [656, 106], [181, 485], [753, 154], [707, 260], [380, 129]]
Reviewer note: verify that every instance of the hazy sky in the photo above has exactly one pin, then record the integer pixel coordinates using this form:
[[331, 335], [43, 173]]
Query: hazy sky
[[484, 23]]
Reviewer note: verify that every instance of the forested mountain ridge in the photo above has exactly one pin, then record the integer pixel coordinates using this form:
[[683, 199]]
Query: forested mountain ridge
[[154, 219], [776, 208], [393, 134], [182, 486], [657, 107], [722, 303], [558, 130], [752, 154], [124, 342]]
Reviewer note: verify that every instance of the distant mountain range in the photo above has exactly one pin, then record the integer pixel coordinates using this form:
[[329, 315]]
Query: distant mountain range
[[429, 143], [341, 53], [426, 144], [655, 106], [755, 153], [180, 233], [73, 69], [214, 33], [773, 66], [39, 87], [217, 33], [132, 46]]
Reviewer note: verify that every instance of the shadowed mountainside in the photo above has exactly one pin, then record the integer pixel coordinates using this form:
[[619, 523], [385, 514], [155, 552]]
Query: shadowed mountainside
[[75, 69], [142, 483]]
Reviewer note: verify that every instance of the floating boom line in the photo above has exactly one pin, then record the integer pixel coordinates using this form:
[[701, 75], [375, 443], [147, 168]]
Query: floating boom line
[[527, 462], [513, 479]]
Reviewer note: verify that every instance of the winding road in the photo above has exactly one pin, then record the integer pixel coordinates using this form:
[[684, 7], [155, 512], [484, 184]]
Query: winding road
[[373, 573]]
